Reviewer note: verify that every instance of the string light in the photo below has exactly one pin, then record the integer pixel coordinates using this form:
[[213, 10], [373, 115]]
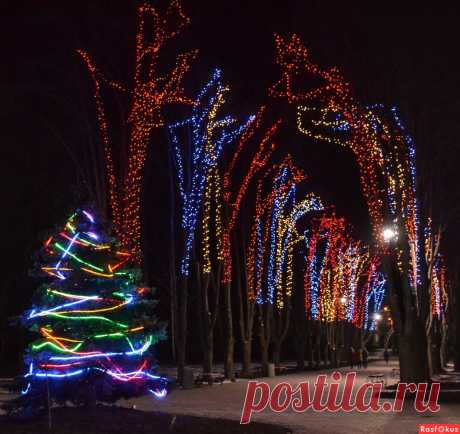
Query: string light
[[385, 153], [335, 267], [277, 236], [150, 93], [258, 162], [159, 394], [84, 320], [210, 135], [438, 287]]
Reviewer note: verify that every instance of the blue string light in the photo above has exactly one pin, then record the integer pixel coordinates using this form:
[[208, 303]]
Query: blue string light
[[374, 300], [202, 159]]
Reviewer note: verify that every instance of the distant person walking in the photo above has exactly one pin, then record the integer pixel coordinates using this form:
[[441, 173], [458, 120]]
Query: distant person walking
[[386, 356]]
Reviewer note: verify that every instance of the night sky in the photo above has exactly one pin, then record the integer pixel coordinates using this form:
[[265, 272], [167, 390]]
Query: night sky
[[403, 57]]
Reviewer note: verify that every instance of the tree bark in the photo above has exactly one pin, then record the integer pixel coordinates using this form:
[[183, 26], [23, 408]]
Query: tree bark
[[182, 329], [413, 360], [264, 334], [247, 357], [409, 324], [300, 325], [300, 352], [206, 336], [280, 330], [172, 256], [309, 344], [276, 351], [208, 352], [246, 313], [332, 330], [316, 347], [264, 344], [444, 344], [230, 344], [208, 296], [434, 348]]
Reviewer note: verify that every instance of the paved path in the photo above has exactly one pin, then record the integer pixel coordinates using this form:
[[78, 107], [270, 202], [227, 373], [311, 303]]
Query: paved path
[[226, 401]]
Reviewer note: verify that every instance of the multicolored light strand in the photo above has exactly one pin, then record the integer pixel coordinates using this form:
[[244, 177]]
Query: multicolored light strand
[[275, 233], [84, 320], [384, 151], [210, 135], [259, 161], [341, 281]]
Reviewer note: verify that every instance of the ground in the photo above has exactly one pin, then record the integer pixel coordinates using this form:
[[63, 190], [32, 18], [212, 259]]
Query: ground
[[116, 420], [226, 402], [223, 403]]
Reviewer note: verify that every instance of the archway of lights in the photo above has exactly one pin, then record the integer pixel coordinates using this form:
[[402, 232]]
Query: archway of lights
[[342, 281], [384, 151], [210, 193]]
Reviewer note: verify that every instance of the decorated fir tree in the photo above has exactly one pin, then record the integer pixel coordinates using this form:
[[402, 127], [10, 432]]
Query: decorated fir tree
[[93, 319]]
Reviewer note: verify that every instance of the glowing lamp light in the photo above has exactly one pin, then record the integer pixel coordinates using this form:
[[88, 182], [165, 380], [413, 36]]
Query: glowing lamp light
[[389, 234], [343, 300], [377, 317]]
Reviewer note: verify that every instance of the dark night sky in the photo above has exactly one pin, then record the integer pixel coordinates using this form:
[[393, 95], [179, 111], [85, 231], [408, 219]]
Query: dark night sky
[[408, 57]]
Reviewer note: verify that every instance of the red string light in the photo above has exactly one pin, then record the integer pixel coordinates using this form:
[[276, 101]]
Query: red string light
[[258, 162], [151, 91], [334, 96]]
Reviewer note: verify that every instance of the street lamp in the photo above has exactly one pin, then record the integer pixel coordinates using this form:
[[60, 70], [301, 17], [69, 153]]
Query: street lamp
[[343, 300], [389, 234], [377, 316]]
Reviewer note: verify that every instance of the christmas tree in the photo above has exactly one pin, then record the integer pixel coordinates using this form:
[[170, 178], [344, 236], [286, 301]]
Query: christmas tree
[[94, 320]]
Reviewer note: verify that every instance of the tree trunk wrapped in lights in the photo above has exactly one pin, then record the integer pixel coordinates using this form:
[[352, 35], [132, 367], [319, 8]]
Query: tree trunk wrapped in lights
[[270, 252], [342, 284], [196, 158], [385, 155], [94, 322], [150, 92], [233, 194]]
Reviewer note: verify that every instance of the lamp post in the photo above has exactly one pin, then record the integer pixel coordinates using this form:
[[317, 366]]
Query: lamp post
[[390, 238]]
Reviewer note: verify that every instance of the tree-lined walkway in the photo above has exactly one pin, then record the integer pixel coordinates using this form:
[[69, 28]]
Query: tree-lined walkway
[[227, 401]]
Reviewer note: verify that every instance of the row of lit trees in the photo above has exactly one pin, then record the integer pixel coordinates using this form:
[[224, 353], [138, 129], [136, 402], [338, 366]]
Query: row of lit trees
[[385, 154], [245, 232]]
